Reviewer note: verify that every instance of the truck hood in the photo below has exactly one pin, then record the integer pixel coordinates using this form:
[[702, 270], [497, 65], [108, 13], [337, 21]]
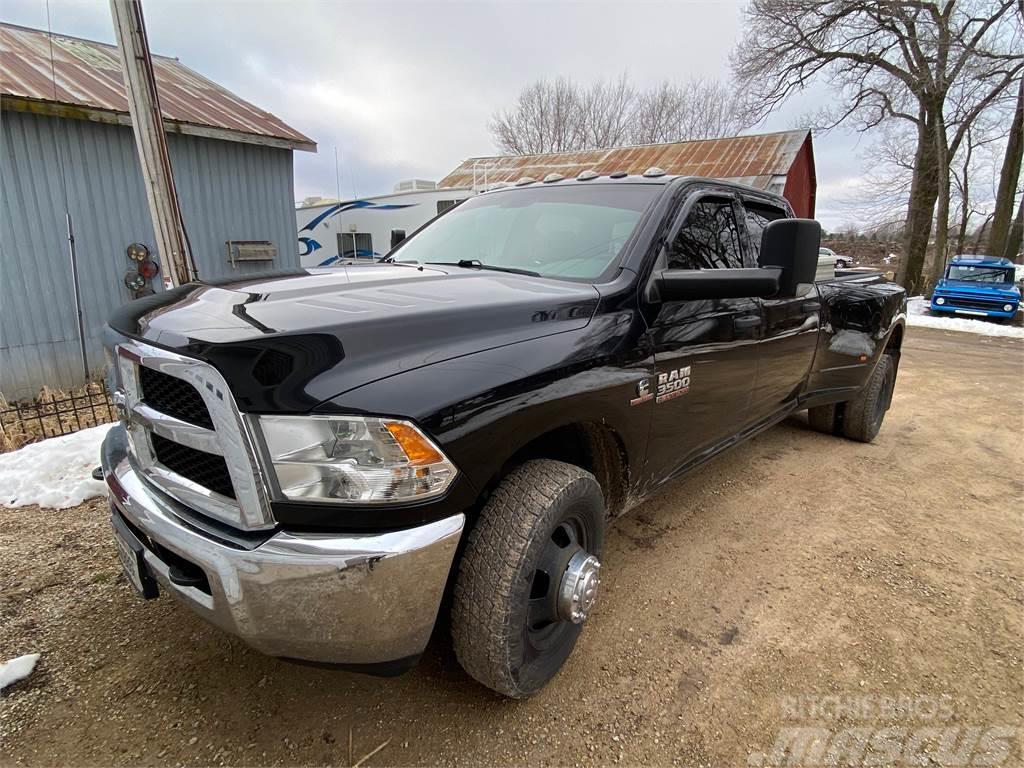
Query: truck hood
[[290, 342], [991, 290]]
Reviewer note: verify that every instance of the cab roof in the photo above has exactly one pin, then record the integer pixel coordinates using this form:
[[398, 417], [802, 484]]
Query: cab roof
[[978, 260], [654, 176]]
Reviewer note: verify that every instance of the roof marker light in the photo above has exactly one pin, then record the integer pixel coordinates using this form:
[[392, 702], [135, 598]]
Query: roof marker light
[[525, 180], [553, 177], [654, 172], [617, 175], [587, 176]]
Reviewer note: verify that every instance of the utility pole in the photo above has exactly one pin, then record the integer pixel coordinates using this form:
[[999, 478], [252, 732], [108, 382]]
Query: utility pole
[[148, 127]]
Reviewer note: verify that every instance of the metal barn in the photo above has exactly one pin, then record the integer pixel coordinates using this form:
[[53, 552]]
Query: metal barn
[[68, 153], [782, 163]]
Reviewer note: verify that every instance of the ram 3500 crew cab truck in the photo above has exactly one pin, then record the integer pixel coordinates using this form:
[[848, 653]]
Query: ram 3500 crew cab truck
[[318, 462]]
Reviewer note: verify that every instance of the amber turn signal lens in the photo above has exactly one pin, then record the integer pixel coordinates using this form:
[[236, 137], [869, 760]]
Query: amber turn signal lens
[[415, 446]]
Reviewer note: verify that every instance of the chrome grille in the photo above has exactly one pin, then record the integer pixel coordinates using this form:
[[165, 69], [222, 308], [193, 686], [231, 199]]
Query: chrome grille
[[188, 438], [173, 396], [200, 467], [965, 302]]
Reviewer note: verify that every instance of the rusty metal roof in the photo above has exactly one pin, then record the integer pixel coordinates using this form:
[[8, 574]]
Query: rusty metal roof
[[754, 160], [89, 81]]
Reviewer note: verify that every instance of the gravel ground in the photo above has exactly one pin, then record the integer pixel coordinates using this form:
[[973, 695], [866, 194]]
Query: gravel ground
[[798, 566]]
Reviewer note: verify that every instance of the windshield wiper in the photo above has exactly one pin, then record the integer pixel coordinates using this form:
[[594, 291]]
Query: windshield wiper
[[477, 264]]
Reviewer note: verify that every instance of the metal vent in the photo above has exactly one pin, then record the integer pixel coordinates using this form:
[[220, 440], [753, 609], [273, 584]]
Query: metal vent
[[251, 250]]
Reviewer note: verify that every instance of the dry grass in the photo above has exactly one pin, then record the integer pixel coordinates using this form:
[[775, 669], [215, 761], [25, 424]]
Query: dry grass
[[53, 412]]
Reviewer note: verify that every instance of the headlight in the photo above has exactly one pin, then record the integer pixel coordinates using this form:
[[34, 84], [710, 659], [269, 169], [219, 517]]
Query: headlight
[[939, 300], [1007, 307], [354, 459]]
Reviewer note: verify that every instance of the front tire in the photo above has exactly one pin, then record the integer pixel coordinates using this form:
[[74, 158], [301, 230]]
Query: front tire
[[513, 621]]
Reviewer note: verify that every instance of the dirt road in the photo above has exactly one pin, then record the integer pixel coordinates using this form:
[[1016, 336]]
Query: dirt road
[[795, 567]]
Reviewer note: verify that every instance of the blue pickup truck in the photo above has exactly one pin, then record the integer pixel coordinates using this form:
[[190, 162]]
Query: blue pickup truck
[[977, 285]]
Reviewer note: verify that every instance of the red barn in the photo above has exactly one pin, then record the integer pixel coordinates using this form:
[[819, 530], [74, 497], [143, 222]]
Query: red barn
[[777, 162]]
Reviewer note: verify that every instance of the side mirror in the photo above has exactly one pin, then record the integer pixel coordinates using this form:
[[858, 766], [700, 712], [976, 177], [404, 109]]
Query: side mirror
[[397, 236], [791, 245], [691, 284]]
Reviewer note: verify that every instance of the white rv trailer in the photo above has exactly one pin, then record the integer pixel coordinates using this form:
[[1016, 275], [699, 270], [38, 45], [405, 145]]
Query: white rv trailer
[[366, 228]]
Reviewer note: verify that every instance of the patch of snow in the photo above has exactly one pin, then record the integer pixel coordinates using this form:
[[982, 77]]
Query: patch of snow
[[853, 343], [54, 473], [17, 669], [919, 315]]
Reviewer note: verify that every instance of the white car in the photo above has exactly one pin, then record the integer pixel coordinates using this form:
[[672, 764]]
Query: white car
[[841, 262]]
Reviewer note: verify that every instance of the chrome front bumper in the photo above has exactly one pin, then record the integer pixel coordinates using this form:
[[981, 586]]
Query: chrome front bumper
[[352, 599]]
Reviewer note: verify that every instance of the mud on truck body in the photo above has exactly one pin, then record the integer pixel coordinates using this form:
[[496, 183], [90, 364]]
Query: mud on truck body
[[319, 463]]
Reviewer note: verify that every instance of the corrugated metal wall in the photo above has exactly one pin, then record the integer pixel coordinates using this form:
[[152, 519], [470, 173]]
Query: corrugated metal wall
[[228, 191]]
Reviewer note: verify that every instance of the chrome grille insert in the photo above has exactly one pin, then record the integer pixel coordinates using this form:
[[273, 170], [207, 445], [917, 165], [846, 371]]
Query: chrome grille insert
[[195, 457], [205, 469], [174, 397]]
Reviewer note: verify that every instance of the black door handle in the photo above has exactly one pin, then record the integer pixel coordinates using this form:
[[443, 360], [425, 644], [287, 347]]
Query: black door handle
[[810, 306], [749, 321]]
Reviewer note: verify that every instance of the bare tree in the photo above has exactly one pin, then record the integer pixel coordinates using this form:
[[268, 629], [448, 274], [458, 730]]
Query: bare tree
[[560, 116], [696, 109], [1009, 178], [1016, 236], [605, 113], [982, 92], [546, 118], [879, 200], [889, 60], [973, 173]]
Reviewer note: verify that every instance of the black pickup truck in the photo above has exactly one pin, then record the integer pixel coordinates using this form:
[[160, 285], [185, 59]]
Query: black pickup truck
[[322, 463]]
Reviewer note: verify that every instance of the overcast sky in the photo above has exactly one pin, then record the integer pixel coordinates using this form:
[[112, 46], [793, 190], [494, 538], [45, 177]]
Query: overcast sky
[[405, 90]]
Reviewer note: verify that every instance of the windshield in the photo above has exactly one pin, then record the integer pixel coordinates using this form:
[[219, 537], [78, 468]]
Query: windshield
[[573, 232], [979, 274]]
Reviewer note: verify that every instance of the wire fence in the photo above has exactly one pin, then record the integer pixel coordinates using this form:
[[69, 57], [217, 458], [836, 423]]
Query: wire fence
[[52, 414]]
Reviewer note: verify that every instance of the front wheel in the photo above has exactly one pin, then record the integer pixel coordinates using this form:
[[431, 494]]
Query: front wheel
[[529, 576]]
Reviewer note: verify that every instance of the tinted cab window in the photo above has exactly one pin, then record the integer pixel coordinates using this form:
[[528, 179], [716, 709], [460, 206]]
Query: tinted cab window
[[709, 238], [758, 216]]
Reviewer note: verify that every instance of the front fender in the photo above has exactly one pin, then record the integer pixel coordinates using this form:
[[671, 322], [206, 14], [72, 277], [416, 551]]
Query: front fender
[[482, 408]]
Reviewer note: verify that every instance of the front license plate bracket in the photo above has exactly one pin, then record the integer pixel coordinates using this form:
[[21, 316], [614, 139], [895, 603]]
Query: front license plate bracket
[[132, 556]]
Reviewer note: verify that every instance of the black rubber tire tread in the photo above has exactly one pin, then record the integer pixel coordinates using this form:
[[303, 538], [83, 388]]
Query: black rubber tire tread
[[823, 418], [509, 534], [857, 421]]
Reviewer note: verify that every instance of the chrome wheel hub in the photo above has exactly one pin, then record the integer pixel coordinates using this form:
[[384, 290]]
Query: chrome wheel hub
[[577, 592]]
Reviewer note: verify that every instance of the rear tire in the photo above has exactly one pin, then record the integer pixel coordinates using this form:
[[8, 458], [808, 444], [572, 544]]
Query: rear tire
[[864, 414], [823, 418], [506, 630]]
